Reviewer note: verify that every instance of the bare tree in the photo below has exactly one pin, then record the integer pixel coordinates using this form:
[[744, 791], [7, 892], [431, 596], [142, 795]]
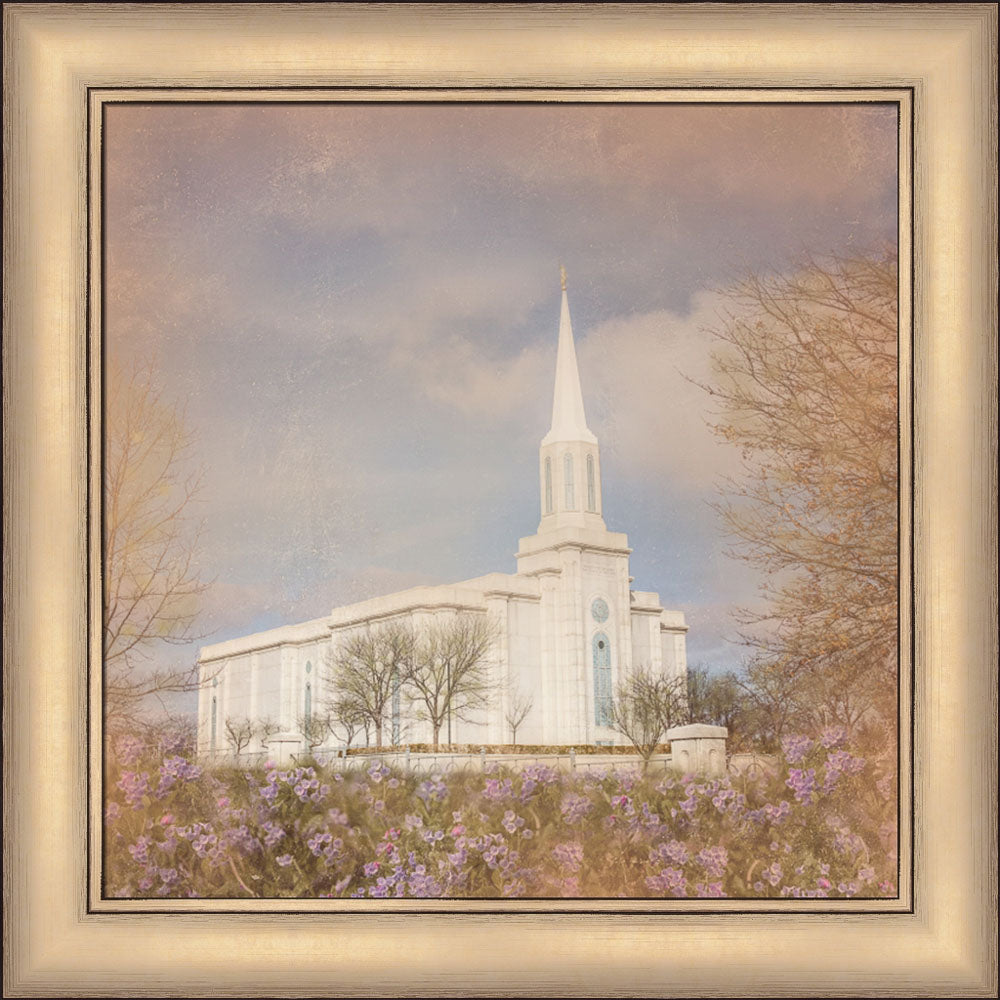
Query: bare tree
[[645, 705], [450, 675], [315, 728], [718, 700], [368, 669], [264, 729], [152, 583], [518, 706], [239, 734], [805, 375], [346, 718]]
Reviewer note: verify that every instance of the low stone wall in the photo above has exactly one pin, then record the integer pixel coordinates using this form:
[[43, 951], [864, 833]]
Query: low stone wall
[[695, 749], [443, 763]]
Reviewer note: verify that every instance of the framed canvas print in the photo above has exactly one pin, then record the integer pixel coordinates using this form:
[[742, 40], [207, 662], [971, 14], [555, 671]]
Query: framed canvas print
[[509, 478]]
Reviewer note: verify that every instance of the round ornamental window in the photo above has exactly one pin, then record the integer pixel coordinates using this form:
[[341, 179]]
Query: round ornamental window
[[600, 644], [309, 667], [599, 609]]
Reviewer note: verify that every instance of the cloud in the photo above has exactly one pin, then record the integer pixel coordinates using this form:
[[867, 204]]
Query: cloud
[[641, 371]]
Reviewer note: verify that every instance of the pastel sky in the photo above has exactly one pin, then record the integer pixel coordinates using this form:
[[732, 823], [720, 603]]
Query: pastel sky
[[359, 305]]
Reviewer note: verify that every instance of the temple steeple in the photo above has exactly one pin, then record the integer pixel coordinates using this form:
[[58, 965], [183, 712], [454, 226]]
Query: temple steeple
[[568, 420], [570, 465]]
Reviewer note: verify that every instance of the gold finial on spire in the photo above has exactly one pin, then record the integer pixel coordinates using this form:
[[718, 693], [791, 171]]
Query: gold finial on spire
[[562, 277]]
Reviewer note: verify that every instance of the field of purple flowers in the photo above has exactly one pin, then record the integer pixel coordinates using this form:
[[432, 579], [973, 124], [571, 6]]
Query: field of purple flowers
[[822, 825]]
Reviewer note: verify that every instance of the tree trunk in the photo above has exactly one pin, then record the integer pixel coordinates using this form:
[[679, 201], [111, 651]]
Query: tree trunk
[[378, 735], [437, 735]]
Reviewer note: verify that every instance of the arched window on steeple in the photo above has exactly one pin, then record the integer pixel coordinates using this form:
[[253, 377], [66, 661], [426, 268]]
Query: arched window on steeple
[[591, 485], [548, 485], [568, 478]]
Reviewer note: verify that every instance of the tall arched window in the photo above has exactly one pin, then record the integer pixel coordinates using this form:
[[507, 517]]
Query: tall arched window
[[548, 485], [214, 723], [307, 709], [568, 477], [602, 679], [591, 484]]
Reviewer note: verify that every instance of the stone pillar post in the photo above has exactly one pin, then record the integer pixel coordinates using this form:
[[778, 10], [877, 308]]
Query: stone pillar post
[[698, 749]]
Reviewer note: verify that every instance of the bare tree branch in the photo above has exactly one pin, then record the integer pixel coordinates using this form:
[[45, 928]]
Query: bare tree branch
[[645, 705], [805, 382], [151, 536], [518, 706], [367, 670], [449, 674]]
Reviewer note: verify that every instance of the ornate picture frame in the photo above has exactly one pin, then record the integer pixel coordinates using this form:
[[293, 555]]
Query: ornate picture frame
[[61, 61]]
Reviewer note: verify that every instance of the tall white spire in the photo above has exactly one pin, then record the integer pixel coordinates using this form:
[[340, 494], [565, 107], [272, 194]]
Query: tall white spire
[[568, 420]]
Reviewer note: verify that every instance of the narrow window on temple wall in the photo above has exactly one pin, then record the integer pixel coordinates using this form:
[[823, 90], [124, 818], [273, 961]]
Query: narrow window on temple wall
[[568, 477], [602, 680], [214, 706], [591, 484], [548, 485], [309, 701]]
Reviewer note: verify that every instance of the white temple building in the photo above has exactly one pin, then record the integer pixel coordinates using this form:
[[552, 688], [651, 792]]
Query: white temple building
[[570, 624]]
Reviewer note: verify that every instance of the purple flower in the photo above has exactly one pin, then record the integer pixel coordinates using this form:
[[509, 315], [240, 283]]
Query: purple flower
[[319, 842], [541, 774], [497, 790], [846, 842], [169, 876], [674, 851], [671, 880], [714, 860], [569, 857], [833, 736], [377, 772], [204, 843], [574, 808], [839, 763], [511, 822], [710, 889], [129, 750], [284, 860], [140, 849], [241, 838], [803, 783], [795, 748], [433, 789], [272, 833], [773, 873], [370, 869], [135, 785]]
